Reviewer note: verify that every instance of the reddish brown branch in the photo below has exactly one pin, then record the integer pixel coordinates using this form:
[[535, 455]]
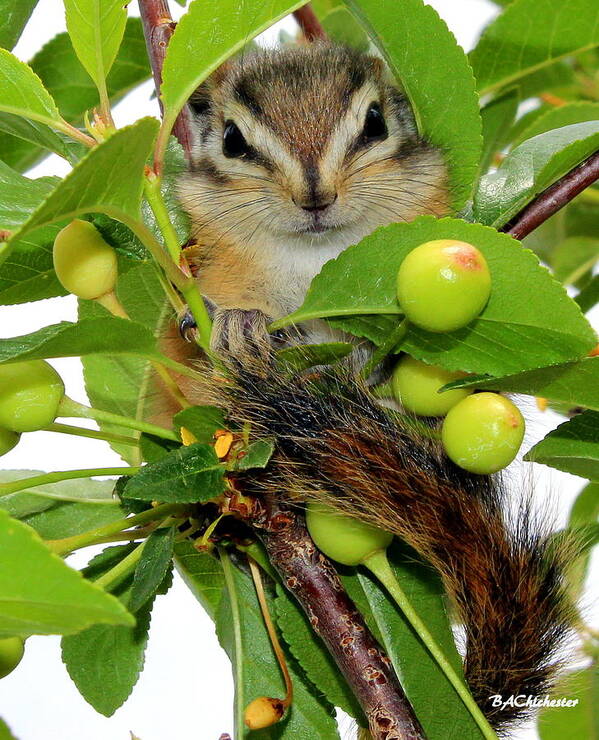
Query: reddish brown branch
[[158, 28], [550, 201], [309, 23], [313, 581]]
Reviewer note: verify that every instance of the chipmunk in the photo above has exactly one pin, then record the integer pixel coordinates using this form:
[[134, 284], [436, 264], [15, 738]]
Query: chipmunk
[[300, 153]]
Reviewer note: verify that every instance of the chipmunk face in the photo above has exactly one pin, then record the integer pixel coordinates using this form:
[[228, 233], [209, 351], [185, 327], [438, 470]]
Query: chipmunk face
[[307, 143]]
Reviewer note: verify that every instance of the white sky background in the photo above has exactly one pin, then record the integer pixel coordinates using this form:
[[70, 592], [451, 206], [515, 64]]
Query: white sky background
[[186, 689]]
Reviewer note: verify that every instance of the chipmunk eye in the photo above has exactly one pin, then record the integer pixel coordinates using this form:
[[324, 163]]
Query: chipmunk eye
[[375, 127], [234, 144]]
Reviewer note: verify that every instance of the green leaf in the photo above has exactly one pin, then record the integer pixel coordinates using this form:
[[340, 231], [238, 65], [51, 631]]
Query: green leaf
[[574, 257], [5, 733], [80, 489], [105, 661], [531, 168], [342, 28], [20, 196], [152, 567], [376, 328], [512, 334], [421, 52], [14, 14], [241, 632], [437, 706], [96, 28], [86, 337], [23, 94], [129, 391], [24, 135], [66, 518], [312, 655], [497, 117], [573, 447], [117, 192], [201, 421], [195, 51], [563, 115], [579, 721], [203, 575], [528, 36], [40, 595], [574, 383], [257, 455], [68, 83], [584, 512], [589, 295], [309, 355], [28, 273], [187, 475]]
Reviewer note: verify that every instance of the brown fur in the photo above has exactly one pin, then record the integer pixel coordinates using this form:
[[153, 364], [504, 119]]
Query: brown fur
[[335, 444]]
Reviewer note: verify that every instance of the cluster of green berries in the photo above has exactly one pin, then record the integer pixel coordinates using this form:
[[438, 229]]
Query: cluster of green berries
[[30, 392], [442, 286]]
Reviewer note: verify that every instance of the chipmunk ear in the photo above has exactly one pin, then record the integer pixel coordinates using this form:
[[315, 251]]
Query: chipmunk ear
[[201, 99]]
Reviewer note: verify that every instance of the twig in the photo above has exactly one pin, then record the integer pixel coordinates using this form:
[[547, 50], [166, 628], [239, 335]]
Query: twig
[[555, 197], [309, 23], [158, 28], [313, 581]]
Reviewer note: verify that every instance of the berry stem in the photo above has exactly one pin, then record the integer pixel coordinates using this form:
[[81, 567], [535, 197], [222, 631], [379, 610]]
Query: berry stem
[[379, 566], [60, 475], [115, 575], [70, 408], [393, 339], [92, 434], [272, 633], [69, 544]]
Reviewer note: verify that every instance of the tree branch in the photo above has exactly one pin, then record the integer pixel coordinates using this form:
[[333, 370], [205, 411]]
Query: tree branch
[[158, 28], [309, 23], [311, 578], [550, 201]]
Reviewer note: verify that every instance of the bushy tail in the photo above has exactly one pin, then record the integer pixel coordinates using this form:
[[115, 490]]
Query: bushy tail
[[335, 444]]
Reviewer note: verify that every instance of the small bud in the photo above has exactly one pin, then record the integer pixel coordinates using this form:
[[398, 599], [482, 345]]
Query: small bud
[[263, 712], [85, 264], [187, 437], [224, 440]]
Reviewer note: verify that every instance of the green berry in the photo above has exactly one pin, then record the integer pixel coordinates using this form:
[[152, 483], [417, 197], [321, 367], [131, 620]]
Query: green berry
[[483, 433], [443, 285], [416, 385], [29, 395], [8, 440], [84, 263], [11, 652], [343, 538]]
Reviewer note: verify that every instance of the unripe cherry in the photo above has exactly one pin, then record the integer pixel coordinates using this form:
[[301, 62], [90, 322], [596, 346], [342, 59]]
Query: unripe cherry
[[11, 652], [416, 384], [345, 539], [483, 433], [8, 440], [85, 264], [30, 393], [443, 285]]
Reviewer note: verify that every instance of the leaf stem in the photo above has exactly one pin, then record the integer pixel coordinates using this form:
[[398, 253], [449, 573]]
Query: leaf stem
[[60, 475], [70, 408], [92, 434], [379, 565], [77, 541], [189, 288], [121, 569], [238, 662], [389, 344]]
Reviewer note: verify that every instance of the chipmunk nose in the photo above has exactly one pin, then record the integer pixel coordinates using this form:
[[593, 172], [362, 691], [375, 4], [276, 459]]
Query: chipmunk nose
[[319, 205]]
